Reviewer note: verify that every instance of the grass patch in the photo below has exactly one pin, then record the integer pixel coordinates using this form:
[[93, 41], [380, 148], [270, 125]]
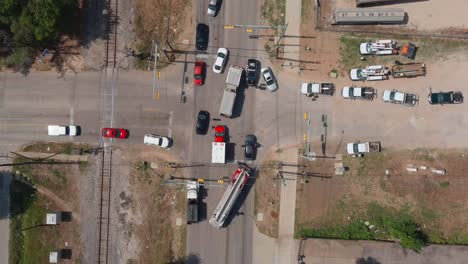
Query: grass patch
[[376, 223], [444, 184], [428, 49], [27, 245], [274, 11]]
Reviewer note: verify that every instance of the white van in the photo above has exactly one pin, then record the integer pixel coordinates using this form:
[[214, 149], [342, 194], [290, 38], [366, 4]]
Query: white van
[[155, 140]]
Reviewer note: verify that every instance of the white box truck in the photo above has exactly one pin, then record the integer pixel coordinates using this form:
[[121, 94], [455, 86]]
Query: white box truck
[[218, 152], [233, 79]]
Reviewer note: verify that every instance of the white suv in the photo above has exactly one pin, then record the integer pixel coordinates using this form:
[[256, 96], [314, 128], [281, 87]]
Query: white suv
[[212, 8], [155, 140], [221, 57]]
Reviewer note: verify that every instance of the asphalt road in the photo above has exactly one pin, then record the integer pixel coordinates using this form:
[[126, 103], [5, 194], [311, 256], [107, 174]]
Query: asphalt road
[[232, 244]]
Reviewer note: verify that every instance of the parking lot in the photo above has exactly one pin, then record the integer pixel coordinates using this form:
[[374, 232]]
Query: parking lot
[[397, 126]]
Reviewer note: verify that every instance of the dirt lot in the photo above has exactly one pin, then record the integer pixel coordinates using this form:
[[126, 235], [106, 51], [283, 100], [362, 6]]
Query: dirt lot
[[146, 202], [437, 201], [267, 197]]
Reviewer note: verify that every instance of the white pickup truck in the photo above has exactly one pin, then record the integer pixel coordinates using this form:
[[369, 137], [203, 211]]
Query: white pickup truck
[[313, 89], [379, 47], [359, 148], [397, 97], [369, 73], [364, 93], [58, 130]]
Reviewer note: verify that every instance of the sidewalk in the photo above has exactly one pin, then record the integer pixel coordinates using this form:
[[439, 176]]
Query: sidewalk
[[292, 45]]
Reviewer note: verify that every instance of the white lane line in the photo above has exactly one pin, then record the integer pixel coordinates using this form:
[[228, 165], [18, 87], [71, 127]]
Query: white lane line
[[171, 116], [72, 115]]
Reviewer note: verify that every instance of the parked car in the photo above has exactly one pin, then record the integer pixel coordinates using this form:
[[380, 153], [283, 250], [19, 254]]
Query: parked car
[[58, 130], [445, 98], [220, 133], [250, 147], [252, 72], [155, 140], [203, 120], [199, 73], [212, 8], [269, 79], [121, 133], [221, 58], [203, 32]]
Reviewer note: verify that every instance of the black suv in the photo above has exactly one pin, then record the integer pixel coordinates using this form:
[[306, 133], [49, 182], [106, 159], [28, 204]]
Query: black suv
[[250, 147], [203, 32], [203, 121], [252, 72]]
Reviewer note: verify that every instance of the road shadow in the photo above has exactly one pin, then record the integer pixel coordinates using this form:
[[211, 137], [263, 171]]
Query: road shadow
[[230, 152], [190, 259], [389, 2], [242, 197], [202, 211], [5, 181], [240, 98], [20, 196]]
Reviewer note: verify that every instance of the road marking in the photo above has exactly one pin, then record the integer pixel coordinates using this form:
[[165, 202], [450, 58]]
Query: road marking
[[169, 132], [305, 115], [72, 114], [305, 137], [171, 115], [202, 56]]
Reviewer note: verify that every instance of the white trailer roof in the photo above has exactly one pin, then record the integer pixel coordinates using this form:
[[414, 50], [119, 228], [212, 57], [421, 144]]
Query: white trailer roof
[[218, 152], [234, 75], [227, 102]]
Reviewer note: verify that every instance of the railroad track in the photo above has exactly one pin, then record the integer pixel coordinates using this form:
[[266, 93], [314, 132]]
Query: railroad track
[[105, 205], [111, 33], [107, 105]]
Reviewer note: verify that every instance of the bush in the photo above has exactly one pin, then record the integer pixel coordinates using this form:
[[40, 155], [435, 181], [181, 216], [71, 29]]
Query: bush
[[387, 224]]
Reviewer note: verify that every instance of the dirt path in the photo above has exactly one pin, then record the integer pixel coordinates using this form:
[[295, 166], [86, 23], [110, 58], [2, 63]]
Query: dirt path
[[58, 201]]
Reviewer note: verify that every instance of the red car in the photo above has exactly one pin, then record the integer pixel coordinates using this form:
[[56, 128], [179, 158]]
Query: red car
[[199, 73], [114, 133], [220, 133]]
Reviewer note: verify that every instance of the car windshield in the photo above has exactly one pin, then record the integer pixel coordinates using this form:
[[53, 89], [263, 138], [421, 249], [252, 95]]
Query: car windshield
[[212, 7], [217, 67], [351, 91], [197, 77], [359, 73], [219, 134], [221, 55], [356, 148], [368, 47], [201, 117], [392, 96], [269, 81]]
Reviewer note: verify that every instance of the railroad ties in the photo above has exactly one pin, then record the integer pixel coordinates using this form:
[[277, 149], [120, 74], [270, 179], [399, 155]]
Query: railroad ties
[[105, 205]]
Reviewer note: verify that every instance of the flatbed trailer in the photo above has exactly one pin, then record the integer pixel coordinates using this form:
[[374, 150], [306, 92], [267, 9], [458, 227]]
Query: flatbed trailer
[[408, 70]]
